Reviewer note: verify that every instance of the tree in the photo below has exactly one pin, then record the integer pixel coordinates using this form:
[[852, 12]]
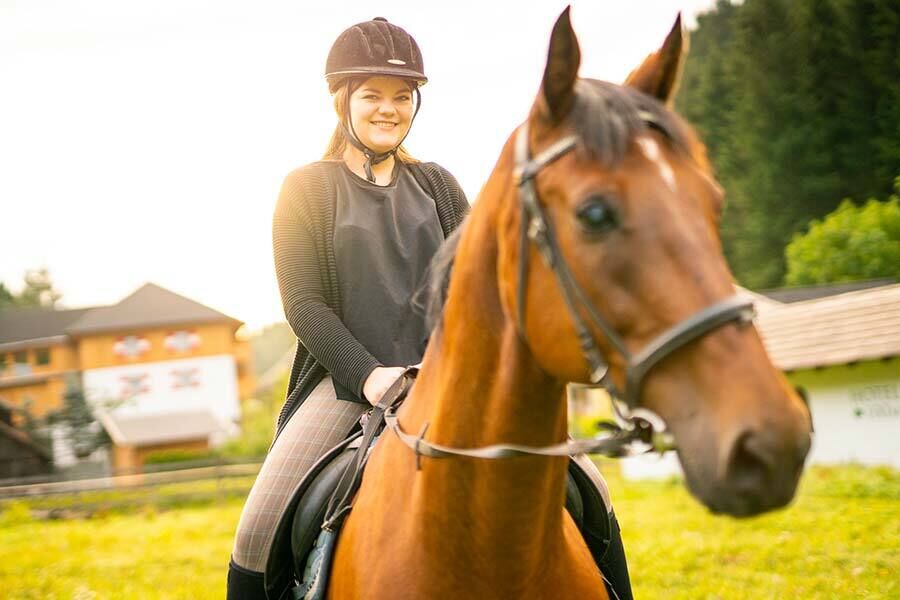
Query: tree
[[7, 298], [851, 243], [78, 423], [799, 104], [38, 291]]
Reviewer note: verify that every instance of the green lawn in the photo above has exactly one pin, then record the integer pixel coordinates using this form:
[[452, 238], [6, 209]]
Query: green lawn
[[840, 539]]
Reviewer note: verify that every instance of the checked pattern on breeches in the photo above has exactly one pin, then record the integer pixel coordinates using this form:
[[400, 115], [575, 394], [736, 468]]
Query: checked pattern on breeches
[[319, 424]]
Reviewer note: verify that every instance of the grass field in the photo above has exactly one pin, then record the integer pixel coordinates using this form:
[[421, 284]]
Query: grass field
[[840, 539]]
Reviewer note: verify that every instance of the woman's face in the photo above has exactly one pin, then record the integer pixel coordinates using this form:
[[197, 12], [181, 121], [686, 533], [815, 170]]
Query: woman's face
[[381, 109]]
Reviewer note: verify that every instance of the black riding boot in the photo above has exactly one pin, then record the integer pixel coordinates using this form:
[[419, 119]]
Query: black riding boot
[[610, 558], [244, 584]]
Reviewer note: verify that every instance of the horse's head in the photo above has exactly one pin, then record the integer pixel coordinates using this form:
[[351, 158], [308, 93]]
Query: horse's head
[[634, 211]]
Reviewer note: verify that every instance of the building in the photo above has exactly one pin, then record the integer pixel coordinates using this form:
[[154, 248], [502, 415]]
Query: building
[[841, 345], [20, 455], [844, 352], [160, 370]]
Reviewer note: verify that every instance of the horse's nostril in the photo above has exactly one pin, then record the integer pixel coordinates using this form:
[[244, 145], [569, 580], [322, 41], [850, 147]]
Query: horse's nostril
[[750, 465]]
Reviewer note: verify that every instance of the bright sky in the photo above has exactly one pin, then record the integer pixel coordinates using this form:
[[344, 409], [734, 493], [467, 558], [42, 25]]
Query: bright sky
[[147, 141]]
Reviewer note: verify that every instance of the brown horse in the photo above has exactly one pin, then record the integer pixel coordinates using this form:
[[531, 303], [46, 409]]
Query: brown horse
[[634, 208]]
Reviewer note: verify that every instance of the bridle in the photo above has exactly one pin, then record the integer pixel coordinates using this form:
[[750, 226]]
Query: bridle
[[635, 423], [536, 228]]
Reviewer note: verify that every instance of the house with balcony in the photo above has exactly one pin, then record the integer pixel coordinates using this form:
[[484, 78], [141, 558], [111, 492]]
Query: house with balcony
[[161, 371]]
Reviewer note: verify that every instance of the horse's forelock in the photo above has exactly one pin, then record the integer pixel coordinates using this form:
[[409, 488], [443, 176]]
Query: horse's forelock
[[607, 117]]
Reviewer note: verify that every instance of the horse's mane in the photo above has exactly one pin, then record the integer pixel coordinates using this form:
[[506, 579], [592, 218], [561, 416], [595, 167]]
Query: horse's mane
[[430, 297], [606, 116]]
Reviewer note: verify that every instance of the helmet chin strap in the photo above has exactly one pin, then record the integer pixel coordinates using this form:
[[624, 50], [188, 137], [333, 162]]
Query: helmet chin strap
[[372, 157]]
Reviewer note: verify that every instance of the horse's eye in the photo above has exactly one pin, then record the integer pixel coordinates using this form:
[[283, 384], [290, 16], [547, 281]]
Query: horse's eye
[[597, 216]]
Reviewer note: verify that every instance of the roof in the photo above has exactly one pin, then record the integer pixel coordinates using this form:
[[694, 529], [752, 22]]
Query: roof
[[20, 380], [149, 306], [811, 292], [35, 323], [851, 327], [761, 304], [146, 430]]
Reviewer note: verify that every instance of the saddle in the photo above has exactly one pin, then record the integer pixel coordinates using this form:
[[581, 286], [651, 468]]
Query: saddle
[[300, 558]]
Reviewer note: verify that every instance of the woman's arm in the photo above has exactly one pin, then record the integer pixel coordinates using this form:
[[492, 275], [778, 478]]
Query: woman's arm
[[298, 268]]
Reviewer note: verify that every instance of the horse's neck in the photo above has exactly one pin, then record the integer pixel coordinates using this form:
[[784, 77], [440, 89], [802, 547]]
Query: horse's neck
[[481, 386]]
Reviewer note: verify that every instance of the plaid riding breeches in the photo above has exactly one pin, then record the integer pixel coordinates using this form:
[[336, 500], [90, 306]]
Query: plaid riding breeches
[[319, 424]]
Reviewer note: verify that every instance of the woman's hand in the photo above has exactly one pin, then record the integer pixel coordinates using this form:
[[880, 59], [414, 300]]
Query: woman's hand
[[378, 382]]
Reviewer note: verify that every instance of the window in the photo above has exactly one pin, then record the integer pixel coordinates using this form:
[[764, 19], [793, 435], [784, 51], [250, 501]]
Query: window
[[131, 346], [2, 361], [20, 357], [42, 356]]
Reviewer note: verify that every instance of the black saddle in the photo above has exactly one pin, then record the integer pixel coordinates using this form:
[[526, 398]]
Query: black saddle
[[300, 528]]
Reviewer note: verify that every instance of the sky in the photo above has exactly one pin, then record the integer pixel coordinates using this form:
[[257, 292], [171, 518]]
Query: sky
[[147, 141]]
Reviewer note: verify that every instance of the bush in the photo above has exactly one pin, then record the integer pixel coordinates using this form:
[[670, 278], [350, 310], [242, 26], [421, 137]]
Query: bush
[[849, 244], [159, 457], [257, 424]]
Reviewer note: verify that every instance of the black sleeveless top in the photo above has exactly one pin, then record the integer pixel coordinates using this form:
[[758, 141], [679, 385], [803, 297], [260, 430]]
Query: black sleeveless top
[[384, 239]]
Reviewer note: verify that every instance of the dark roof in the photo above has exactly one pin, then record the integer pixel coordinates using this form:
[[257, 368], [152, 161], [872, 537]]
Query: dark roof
[[33, 323], [149, 306], [800, 294]]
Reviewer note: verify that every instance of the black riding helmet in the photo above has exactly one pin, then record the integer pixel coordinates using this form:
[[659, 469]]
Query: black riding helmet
[[370, 49]]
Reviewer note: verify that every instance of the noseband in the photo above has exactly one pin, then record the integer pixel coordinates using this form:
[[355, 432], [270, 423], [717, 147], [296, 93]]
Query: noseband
[[646, 428]]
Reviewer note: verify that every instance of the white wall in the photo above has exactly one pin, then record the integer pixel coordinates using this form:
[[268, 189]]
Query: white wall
[[856, 412], [215, 390]]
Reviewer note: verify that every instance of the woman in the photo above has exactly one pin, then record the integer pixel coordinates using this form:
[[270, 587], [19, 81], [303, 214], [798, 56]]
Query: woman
[[353, 235]]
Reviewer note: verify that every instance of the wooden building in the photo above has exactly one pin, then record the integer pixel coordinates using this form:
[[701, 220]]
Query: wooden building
[[155, 355]]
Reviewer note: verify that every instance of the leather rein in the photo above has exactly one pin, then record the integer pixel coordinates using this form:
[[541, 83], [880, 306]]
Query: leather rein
[[635, 424]]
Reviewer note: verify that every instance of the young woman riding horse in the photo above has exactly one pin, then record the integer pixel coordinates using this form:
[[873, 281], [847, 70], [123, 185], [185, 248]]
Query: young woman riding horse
[[352, 235], [594, 242]]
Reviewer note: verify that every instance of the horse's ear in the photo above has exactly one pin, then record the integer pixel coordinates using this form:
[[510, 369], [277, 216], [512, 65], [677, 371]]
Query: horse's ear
[[660, 72], [558, 87]]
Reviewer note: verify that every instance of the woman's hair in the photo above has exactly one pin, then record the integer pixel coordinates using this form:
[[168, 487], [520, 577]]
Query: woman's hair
[[338, 142]]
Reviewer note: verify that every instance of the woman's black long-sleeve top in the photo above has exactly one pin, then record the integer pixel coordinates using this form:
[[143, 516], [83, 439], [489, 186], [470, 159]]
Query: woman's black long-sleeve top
[[303, 244]]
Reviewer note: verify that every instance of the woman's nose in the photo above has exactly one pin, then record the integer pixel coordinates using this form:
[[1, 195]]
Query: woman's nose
[[387, 108]]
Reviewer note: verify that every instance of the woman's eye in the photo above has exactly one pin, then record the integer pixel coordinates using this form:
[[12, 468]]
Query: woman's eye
[[596, 215]]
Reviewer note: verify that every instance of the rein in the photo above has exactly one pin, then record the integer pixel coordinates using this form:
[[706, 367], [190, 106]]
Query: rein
[[636, 426]]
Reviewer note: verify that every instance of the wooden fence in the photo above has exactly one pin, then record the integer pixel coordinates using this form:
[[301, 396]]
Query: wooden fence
[[166, 485]]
